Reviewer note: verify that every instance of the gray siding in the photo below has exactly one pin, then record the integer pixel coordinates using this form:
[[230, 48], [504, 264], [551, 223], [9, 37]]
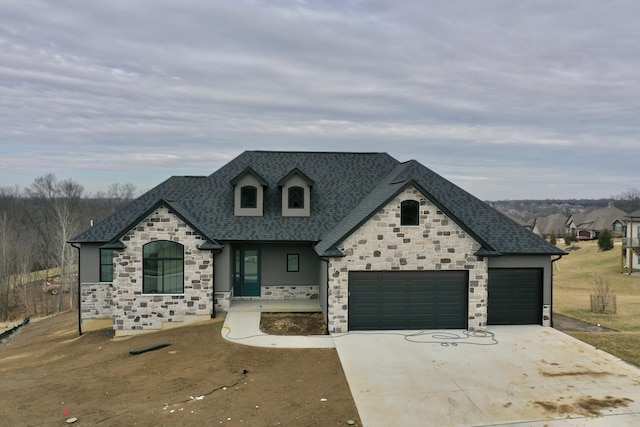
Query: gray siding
[[323, 286], [223, 281], [530, 261], [90, 262], [274, 265]]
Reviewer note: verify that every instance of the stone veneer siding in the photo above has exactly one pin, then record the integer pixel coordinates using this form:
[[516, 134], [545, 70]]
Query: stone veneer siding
[[97, 300], [382, 244], [287, 292], [134, 311]]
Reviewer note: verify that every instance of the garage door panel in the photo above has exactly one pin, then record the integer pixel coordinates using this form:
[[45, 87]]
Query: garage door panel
[[515, 296], [408, 300]]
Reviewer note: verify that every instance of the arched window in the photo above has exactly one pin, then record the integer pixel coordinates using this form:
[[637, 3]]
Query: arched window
[[248, 197], [296, 198], [163, 268], [409, 212]]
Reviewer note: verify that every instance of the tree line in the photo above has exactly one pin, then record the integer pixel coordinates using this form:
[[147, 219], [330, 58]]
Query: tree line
[[35, 225]]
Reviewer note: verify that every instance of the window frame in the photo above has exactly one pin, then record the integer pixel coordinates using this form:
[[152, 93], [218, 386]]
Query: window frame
[[244, 196], [162, 263], [410, 209], [291, 195], [291, 258], [106, 276]]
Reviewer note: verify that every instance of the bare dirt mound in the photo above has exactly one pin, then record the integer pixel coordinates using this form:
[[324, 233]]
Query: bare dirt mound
[[200, 379]]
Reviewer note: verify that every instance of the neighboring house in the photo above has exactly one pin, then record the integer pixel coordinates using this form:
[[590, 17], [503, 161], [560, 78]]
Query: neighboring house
[[544, 226], [588, 226], [631, 244], [381, 244]]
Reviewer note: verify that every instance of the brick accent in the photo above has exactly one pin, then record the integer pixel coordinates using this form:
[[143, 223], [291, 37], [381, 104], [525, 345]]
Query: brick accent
[[135, 312], [381, 244]]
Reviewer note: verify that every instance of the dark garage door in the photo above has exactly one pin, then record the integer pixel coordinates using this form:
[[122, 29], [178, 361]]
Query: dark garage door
[[386, 300], [515, 296]]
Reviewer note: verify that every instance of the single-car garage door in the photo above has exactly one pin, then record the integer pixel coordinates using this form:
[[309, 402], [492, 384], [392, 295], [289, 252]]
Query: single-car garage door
[[385, 300], [515, 296]]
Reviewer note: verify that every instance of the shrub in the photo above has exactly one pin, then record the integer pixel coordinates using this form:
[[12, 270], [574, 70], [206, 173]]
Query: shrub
[[570, 238], [603, 299], [605, 240], [553, 239]]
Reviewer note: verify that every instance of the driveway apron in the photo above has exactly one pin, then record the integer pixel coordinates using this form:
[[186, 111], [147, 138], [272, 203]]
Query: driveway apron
[[512, 375]]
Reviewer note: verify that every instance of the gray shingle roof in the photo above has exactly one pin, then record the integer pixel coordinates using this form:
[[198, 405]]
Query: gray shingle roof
[[496, 233], [348, 188]]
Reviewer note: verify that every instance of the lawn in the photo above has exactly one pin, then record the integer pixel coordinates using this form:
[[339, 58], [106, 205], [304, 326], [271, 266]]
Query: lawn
[[574, 279]]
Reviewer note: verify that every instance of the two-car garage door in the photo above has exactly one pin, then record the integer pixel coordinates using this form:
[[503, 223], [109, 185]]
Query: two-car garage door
[[410, 300], [384, 300]]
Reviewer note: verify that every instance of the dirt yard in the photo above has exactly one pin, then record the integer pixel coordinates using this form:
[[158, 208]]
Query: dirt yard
[[49, 374]]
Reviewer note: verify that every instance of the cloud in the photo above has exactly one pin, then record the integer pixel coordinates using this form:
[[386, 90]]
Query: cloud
[[506, 91]]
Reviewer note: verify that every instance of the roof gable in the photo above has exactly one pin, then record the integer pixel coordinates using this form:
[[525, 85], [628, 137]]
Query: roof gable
[[494, 231], [249, 171], [294, 172]]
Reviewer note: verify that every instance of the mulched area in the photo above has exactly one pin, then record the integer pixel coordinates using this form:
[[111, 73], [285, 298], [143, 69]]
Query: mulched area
[[293, 324]]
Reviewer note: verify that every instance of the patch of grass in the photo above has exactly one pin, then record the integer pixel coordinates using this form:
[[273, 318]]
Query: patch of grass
[[624, 345], [574, 280]]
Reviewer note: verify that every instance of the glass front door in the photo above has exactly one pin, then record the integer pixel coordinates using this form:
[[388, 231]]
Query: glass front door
[[246, 272]]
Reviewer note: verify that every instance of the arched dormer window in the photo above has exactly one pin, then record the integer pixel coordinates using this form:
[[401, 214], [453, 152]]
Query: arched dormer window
[[410, 212], [296, 198], [248, 197], [163, 267]]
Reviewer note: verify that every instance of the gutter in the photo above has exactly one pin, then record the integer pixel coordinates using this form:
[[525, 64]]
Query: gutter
[[79, 291]]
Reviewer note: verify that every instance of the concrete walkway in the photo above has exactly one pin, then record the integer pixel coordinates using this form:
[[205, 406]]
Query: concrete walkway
[[242, 324]]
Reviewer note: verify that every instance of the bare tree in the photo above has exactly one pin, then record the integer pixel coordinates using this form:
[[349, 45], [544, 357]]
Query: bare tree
[[631, 197], [58, 221]]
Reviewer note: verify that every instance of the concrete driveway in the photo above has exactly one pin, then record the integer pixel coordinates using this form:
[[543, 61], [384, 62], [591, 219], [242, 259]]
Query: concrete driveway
[[517, 375]]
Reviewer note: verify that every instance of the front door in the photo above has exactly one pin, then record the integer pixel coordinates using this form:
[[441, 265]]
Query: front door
[[246, 272]]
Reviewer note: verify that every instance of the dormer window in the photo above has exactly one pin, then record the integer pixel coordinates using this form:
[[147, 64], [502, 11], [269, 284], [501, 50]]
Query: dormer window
[[410, 212], [296, 194], [248, 197], [296, 198], [248, 193]]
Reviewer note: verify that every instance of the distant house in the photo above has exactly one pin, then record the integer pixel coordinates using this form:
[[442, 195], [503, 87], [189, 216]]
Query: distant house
[[544, 226], [588, 226], [631, 244], [380, 244]]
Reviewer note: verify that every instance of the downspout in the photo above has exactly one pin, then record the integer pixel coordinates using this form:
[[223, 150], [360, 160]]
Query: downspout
[[79, 291], [213, 285], [551, 311]]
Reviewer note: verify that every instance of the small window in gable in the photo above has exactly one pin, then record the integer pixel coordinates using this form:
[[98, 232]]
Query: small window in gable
[[296, 198], [410, 212], [248, 197]]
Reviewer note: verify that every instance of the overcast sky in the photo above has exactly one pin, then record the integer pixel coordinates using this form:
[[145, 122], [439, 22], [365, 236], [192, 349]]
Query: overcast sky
[[507, 99]]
